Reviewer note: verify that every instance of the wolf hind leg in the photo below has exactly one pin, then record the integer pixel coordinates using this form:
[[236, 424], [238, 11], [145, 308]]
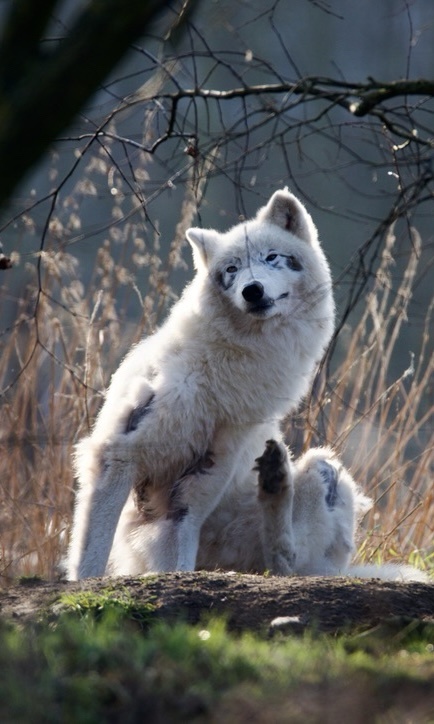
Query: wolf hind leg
[[199, 493], [100, 500], [171, 542], [275, 497]]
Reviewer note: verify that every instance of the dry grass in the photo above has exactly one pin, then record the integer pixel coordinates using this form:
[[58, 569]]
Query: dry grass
[[384, 427], [56, 359]]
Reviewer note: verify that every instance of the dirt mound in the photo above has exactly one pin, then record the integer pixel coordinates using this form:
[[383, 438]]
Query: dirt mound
[[247, 602]]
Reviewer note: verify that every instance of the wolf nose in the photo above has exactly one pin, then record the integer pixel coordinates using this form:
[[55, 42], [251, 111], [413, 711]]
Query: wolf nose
[[253, 292]]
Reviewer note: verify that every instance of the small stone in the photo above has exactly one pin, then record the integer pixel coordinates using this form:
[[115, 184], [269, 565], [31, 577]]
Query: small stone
[[287, 625]]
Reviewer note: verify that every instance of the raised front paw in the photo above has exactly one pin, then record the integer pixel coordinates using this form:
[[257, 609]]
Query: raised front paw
[[272, 467]]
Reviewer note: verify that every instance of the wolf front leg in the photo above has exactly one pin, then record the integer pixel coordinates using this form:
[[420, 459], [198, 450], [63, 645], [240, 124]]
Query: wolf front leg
[[275, 496], [201, 493], [98, 507]]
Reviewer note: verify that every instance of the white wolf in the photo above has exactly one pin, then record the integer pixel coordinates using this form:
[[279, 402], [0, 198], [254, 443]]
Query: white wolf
[[190, 408], [310, 506]]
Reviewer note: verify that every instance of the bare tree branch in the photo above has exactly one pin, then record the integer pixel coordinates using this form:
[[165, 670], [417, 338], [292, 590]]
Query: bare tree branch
[[41, 90], [360, 99], [375, 94]]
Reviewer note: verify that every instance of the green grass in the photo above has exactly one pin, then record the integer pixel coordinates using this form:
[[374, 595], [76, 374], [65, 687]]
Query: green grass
[[107, 601], [87, 669]]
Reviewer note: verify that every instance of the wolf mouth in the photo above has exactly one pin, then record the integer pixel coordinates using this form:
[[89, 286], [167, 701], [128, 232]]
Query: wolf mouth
[[263, 305], [260, 308]]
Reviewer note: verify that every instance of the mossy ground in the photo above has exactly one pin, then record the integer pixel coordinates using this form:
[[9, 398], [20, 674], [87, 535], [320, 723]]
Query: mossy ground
[[101, 661]]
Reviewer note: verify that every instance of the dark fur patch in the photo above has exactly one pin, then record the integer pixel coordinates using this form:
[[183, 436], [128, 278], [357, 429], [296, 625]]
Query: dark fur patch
[[219, 277], [154, 503], [148, 505], [329, 475], [224, 280], [200, 465], [177, 514], [271, 469], [137, 414], [293, 263], [177, 507]]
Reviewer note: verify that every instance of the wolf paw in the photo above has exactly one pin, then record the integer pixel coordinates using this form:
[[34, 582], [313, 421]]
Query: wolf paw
[[330, 478], [272, 468], [282, 559]]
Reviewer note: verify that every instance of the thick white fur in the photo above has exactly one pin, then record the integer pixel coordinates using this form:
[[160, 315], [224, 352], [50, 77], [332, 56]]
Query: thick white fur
[[217, 375], [290, 531], [294, 518], [167, 465]]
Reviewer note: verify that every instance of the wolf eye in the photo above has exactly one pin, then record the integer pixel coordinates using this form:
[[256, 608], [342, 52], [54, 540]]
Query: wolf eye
[[293, 263], [271, 257], [231, 269]]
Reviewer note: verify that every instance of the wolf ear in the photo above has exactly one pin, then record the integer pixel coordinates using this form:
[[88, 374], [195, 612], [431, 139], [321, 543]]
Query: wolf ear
[[286, 211], [204, 243]]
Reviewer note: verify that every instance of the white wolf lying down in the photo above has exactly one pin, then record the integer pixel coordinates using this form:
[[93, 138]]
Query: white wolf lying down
[[289, 518], [191, 406]]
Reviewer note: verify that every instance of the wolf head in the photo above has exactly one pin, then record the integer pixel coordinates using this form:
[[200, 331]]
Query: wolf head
[[269, 266]]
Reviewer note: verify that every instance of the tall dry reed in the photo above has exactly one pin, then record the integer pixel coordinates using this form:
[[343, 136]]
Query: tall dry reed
[[381, 424], [57, 358]]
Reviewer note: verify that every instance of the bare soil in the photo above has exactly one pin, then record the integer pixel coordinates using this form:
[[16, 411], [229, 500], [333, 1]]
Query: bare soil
[[246, 601]]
